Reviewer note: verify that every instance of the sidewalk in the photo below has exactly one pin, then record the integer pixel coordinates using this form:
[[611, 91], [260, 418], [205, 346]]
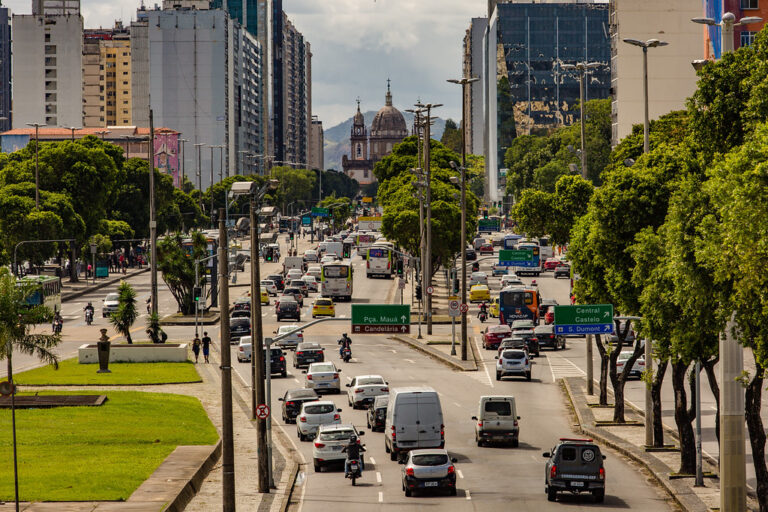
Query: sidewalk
[[596, 422]]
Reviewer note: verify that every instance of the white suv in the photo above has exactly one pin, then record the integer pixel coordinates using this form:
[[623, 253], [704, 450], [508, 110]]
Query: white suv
[[313, 415], [329, 442], [513, 362]]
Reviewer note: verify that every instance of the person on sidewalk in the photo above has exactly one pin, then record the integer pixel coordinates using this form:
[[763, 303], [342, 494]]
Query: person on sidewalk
[[206, 346], [196, 348]]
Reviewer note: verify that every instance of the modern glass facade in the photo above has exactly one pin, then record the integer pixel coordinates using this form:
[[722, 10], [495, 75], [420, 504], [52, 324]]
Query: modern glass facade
[[526, 44], [239, 10]]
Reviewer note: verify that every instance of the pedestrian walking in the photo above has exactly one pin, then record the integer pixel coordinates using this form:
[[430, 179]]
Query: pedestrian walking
[[196, 348], [206, 346]]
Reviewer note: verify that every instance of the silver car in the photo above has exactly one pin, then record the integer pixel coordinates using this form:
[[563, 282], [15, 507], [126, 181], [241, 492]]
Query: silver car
[[426, 470], [323, 377], [313, 415], [513, 362], [110, 304]]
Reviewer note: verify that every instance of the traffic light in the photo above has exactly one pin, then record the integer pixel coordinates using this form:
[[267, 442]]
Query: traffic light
[[418, 292], [197, 291], [268, 254], [399, 267], [292, 235], [485, 213], [455, 285]]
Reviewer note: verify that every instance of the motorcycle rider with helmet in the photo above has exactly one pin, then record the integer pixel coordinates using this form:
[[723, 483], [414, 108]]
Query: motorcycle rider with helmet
[[353, 451]]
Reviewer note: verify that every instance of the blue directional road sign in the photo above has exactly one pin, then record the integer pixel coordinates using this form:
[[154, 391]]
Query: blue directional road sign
[[584, 319]]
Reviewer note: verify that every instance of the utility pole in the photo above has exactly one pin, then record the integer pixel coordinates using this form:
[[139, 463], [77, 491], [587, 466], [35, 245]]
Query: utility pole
[[211, 185], [152, 219], [37, 162], [199, 146], [183, 164], [227, 445], [258, 394]]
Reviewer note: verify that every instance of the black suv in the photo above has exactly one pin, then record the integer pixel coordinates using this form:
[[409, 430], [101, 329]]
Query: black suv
[[547, 337], [293, 400], [278, 362], [575, 466], [377, 413], [471, 254], [306, 354], [239, 327], [288, 309], [278, 279]]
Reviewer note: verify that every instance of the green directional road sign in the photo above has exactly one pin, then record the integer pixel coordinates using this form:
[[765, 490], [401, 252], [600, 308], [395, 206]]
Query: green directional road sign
[[516, 258], [584, 319], [381, 318], [488, 225], [319, 212]]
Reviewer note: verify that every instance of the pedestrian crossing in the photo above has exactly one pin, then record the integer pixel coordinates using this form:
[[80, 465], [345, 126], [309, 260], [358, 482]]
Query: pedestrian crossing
[[562, 367]]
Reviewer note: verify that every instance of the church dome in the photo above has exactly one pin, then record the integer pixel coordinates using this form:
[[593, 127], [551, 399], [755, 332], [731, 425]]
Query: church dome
[[389, 122]]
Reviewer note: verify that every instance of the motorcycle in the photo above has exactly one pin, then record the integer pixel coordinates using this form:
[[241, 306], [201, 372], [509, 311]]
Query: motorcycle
[[346, 354], [482, 316], [57, 325], [88, 316], [354, 471]]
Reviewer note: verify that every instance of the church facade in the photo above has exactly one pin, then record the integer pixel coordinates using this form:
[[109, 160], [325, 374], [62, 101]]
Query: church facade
[[387, 129]]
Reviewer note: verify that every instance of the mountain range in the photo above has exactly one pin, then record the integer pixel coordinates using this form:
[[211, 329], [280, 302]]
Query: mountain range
[[336, 143]]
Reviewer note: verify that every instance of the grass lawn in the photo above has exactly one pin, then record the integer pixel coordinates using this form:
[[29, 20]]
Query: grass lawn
[[97, 453], [71, 373]]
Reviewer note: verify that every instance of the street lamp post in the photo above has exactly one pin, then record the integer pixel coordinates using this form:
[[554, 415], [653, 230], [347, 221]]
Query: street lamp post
[[72, 130], [37, 162], [183, 164], [199, 147], [464, 82], [583, 69], [152, 217]]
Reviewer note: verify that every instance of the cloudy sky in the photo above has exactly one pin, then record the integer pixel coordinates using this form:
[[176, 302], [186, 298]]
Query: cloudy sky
[[356, 46]]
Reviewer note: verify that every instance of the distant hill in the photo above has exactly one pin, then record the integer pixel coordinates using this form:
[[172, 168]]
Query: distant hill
[[336, 142]]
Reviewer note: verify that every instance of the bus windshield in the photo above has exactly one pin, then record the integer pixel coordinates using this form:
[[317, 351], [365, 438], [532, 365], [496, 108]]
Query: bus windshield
[[336, 271]]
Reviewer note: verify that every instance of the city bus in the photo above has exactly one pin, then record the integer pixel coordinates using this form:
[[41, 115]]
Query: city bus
[[510, 241], [289, 224], [380, 260], [47, 291], [336, 280], [519, 303], [534, 266]]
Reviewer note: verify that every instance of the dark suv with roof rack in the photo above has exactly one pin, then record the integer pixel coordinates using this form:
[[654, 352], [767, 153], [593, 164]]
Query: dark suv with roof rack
[[575, 466]]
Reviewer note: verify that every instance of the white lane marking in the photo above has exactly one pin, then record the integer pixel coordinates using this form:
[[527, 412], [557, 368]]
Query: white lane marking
[[296, 381], [458, 472], [410, 361], [378, 477], [482, 362], [349, 378], [374, 462], [381, 497], [457, 404], [393, 351], [466, 493]]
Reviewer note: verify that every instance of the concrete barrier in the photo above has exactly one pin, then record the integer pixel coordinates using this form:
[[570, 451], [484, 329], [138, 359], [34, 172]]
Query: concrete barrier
[[137, 353]]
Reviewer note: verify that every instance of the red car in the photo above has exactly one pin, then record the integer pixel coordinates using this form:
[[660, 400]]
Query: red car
[[551, 263], [486, 248], [549, 316], [493, 335]]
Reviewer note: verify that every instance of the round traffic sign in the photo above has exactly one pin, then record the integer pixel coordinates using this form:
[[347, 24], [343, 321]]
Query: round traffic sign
[[371, 225], [454, 304], [464, 308], [262, 411], [6, 388], [430, 290], [401, 284]]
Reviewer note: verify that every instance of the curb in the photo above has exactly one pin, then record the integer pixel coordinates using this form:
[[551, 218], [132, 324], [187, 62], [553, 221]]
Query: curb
[[469, 366], [681, 494], [105, 385], [288, 494], [185, 322], [99, 286], [192, 487]]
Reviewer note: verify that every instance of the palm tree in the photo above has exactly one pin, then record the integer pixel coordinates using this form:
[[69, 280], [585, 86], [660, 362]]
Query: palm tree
[[126, 313], [17, 319]]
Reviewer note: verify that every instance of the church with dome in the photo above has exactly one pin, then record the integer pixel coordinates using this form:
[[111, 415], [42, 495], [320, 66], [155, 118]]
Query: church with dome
[[388, 128]]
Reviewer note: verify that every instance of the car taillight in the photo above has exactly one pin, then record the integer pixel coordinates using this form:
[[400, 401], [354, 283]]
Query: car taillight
[[409, 471], [335, 375], [359, 391], [301, 335], [368, 264], [480, 423], [240, 349], [551, 335], [394, 434], [303, 419], [319, 445], [515, 423], [282, 358], [442, 431], [309, 377], [641, 363], [299, 353], [601, 475], [385, 390], [553, 471], [290, 403], [389, 264], [451, 469], [336, 417], [525, 361]]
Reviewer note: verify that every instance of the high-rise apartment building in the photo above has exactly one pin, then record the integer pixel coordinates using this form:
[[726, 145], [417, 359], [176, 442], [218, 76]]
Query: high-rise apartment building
[[472, 66], [671, 78], [5, 69], [292, 103], [107, 80], [316, 142], [526, 89], [139, 34], [47, 64]]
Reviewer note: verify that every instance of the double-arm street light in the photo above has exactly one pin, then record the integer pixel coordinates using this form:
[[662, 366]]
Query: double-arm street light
[[37, 162], [464, 82], [727, 25], [72, 130], [258, 365], [650, 43], [583, 69]]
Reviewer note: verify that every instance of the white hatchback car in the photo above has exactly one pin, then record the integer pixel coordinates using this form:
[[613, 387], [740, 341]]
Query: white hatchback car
[[294, 273], [330, 441], [637, 369], [270, 286], [511, 280], [315, 272], [110, 304], [364, 389], [313, 285], [513, 362], [323, 377], [291, 341], [478, 278], [313, 415]]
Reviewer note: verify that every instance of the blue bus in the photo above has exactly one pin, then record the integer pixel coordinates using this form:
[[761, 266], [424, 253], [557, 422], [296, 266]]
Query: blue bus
[[47, 291], [510, 240]]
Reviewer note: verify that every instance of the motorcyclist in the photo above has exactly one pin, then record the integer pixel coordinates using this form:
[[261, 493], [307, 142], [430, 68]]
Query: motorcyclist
[[58, 322], [483, 309], [344, 342], [89, 310], [353, 450]]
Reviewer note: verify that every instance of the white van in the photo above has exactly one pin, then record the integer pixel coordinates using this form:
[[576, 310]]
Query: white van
[[335, 249], [414, 420], [497, 420]]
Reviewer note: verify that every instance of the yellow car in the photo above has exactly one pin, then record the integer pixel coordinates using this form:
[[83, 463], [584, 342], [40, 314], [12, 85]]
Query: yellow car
[[479, 292], [323, 307], [494, 309], [264, 296]]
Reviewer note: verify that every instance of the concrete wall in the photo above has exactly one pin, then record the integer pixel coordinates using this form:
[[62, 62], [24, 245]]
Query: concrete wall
[[172, 353], [671, 78]]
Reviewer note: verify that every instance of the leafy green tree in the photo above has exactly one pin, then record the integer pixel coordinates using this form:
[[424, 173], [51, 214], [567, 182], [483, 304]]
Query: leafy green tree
[[534, 212], [339, 210], [335, 184], [570, 201], [127, 313], [295, 186], [451, 136], [178, 267], [19, 221], [404, 156]]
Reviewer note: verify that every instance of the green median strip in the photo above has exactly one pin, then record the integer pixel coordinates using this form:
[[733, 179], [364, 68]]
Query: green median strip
[[71, 373], [98, 453]]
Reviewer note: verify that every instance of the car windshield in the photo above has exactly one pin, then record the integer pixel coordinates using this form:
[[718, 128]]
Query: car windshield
[[436, 459], [336, 435], [499, 329], [498, 407], [370, 380], [287, 328], [513, 354], [302, 393], [265, 283], [323, 302], [112, 297], [240, 322], [319, 409], [319, 368]]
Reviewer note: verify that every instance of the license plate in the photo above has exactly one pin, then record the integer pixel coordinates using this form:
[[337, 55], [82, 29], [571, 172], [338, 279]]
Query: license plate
[[353, 467], [323, 383], [310, 359], [577, 484], [430, 484], [336, 448]]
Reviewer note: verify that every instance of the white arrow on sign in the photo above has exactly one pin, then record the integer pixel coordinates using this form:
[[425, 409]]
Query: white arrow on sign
[[403, 318], [403, 329]]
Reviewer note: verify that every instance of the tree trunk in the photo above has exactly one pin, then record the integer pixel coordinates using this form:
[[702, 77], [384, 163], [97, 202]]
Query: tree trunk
[[757, 434], [603, 370], [73, 264], [658, 424], [683, 420], [709, 367]]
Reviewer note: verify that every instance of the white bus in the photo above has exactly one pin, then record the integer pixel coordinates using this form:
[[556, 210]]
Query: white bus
[[380, 260], [336, 280]]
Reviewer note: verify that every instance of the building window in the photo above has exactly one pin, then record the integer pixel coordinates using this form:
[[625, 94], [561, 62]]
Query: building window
[[747, 38], [749, 4], [365, 173]]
